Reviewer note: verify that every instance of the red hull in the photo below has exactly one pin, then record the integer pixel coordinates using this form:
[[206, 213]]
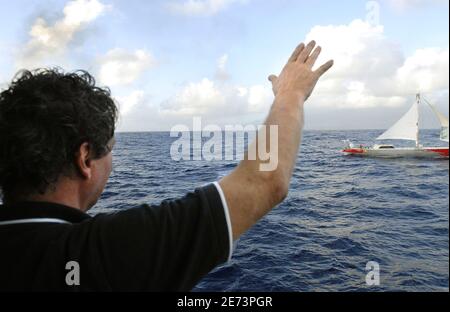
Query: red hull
[[441, 151], [430, 152]]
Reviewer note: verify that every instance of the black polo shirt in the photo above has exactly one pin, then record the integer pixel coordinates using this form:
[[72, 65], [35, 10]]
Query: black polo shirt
[[166, 247]]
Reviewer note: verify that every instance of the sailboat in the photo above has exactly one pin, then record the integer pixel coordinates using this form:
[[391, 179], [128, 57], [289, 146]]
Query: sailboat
[[407, 128]]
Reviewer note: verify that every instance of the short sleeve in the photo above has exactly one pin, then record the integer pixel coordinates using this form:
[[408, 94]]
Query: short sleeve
[[166, 247]]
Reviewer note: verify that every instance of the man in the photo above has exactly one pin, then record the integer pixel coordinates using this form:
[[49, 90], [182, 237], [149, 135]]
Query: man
[[56, 137]]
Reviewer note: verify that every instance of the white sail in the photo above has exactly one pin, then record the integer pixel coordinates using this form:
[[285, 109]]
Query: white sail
[[444, 134], [442, 120], [407, 128]]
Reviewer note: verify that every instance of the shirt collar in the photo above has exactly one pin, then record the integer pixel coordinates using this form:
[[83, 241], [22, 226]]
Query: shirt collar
[[29, 209]]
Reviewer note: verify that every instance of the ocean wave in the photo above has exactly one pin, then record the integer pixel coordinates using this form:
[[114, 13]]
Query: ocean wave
[[341, 212]]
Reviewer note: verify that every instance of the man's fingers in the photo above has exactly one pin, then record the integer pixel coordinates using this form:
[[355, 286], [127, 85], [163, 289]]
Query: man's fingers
[[323, 69], [303, 56], [297, 52], [272, 78], [313, 57]]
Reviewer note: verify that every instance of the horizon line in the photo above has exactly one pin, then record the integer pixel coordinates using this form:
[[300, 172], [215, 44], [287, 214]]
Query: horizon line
[[369, 129]]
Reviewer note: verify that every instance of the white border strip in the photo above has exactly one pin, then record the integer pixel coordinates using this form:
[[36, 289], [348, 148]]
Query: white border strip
[[36, 220], [227, 217]]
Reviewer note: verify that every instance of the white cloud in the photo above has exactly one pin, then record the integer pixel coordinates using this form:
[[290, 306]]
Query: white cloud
[[214, 99], [79, 12], [372, 71], [137, 113], [196, 98], [259, 98], [217, 100], [427, 71], [121, 67], [128, 103], [200, 7], [218, 97], [50, 41]]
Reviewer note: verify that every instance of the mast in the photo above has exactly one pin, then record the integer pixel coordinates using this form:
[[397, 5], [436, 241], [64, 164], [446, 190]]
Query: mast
[[418, 118]]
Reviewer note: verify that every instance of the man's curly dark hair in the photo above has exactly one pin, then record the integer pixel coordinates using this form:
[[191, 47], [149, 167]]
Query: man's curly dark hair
[[45, 115]]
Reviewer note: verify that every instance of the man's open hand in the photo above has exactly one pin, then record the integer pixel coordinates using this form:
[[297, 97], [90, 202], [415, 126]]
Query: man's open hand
[[297, 77]]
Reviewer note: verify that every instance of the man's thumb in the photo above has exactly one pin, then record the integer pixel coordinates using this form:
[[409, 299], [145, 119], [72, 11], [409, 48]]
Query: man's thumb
[[272, 78]]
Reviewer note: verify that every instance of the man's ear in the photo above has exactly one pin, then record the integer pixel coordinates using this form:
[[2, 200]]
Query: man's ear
[[83, 162]]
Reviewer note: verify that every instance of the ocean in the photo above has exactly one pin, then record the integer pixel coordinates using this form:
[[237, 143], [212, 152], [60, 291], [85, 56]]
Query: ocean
[[341, 212]]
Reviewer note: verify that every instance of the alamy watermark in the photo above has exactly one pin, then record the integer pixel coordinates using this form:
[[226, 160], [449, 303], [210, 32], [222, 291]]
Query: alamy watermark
[[73, 276], [373, 13], [373, 274], [226, 143]]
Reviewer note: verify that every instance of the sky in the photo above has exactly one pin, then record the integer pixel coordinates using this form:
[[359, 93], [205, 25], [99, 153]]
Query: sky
[[168, 61]]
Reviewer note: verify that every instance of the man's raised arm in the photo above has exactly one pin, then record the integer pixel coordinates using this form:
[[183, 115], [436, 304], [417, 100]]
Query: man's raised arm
[[251, 193]]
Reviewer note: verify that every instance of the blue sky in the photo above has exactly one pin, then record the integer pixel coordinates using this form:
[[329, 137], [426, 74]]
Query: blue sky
[[167, 61]]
